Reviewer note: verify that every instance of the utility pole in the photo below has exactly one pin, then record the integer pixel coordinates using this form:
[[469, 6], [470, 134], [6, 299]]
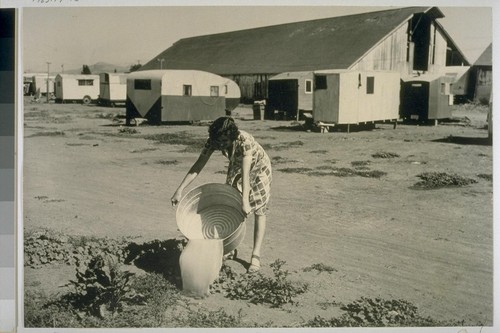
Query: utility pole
[[48, 78], [161, 62]]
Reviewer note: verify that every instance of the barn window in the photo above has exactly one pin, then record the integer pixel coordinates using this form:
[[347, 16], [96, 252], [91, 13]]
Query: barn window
[[370, 84], [320, 82], [214, 91], [142, 84], [187, 89], [225, 89], [85, 82], [309, 88]]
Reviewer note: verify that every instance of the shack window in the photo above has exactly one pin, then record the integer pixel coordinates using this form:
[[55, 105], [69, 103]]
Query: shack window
[[214, 91], [225, 89], [370, 84], [320, 82], [187, 89], [309, 88], [142, 84], [85, 82]]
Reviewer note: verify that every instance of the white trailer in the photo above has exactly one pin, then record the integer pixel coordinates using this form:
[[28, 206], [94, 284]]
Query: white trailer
[[112, 88], [77, 88], [39, 82], [355, 97]]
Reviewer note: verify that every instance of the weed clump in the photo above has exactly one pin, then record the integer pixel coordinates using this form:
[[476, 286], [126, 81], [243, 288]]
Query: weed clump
[[368, 312], [385, 155], [435, 180], [258, 288], [320, 268]]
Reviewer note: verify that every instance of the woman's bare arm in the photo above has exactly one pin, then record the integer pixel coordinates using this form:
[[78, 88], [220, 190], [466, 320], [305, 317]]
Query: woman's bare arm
[[191, 175]]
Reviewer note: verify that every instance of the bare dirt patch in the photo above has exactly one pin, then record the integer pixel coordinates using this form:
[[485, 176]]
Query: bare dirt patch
[[365, 236]]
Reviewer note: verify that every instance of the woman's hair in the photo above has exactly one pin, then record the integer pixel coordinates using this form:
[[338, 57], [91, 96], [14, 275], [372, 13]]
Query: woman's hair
[[223, 126]]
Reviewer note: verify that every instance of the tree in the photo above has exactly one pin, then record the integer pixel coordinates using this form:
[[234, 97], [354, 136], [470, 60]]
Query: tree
[[86, 70], [135, 67]]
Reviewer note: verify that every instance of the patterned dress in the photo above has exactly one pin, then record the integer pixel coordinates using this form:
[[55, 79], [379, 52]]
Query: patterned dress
[[260, 170]]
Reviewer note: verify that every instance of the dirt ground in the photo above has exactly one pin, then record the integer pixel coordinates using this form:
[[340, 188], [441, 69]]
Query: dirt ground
[[433, 248]]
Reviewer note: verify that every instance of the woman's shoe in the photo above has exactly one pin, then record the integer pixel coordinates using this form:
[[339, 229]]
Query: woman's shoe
[[254, 264], [231, 255]]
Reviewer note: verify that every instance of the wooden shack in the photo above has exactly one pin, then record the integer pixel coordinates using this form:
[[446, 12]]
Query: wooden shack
[[426, 97], [290, 93], [355, 97]]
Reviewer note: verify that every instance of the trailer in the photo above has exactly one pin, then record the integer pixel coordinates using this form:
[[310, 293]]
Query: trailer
[[83, 88], [289, 94], [43, 82], [426, 98], [178, 96], [112, 88], [355, 97]]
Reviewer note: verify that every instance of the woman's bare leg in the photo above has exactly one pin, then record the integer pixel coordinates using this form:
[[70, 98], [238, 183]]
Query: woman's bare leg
[[258, 237]]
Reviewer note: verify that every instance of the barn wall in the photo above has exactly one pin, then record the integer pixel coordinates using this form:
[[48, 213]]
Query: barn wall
[[437, 50], [252, 86], [389, 55]]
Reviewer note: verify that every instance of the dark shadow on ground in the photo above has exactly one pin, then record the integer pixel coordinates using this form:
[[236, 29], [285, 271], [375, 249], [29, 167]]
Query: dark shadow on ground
[[157, 256], [462, 140]]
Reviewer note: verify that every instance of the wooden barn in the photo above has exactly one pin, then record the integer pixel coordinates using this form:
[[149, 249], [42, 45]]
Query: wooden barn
[[481, 77], [404, 40], [178, 96]]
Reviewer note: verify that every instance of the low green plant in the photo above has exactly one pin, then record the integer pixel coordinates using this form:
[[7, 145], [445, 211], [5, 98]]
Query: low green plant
[[368, 312], [385, 155], [210, 318], [486, 176], [43, 247], [101, 287], [320, 268], [260, 289], [434, 180]]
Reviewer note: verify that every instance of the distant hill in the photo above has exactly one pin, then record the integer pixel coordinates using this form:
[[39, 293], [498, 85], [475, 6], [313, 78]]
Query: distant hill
[[100, 67]]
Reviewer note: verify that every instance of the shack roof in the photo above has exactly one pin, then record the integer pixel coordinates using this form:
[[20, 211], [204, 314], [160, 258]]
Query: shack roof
[[331, 43], [485, 57]]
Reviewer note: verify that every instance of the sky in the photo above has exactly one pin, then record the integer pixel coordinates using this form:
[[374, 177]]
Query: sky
[[71, 36]]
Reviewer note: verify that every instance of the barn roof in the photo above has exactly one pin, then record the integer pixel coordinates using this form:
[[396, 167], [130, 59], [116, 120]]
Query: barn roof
[[337, 42], [485, 57]]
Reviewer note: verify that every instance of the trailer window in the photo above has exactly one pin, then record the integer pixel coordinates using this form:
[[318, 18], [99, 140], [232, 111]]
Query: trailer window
[[187, 89], [214, 91], [309, 88], [142, 84], [320, 82], [85, 82], [370, 84]]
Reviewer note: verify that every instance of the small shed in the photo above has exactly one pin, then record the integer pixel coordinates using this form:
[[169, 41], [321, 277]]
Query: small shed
[[291, 93], [426, 97], [178, 95], [77, 88], [355, 97], [112, 88]]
